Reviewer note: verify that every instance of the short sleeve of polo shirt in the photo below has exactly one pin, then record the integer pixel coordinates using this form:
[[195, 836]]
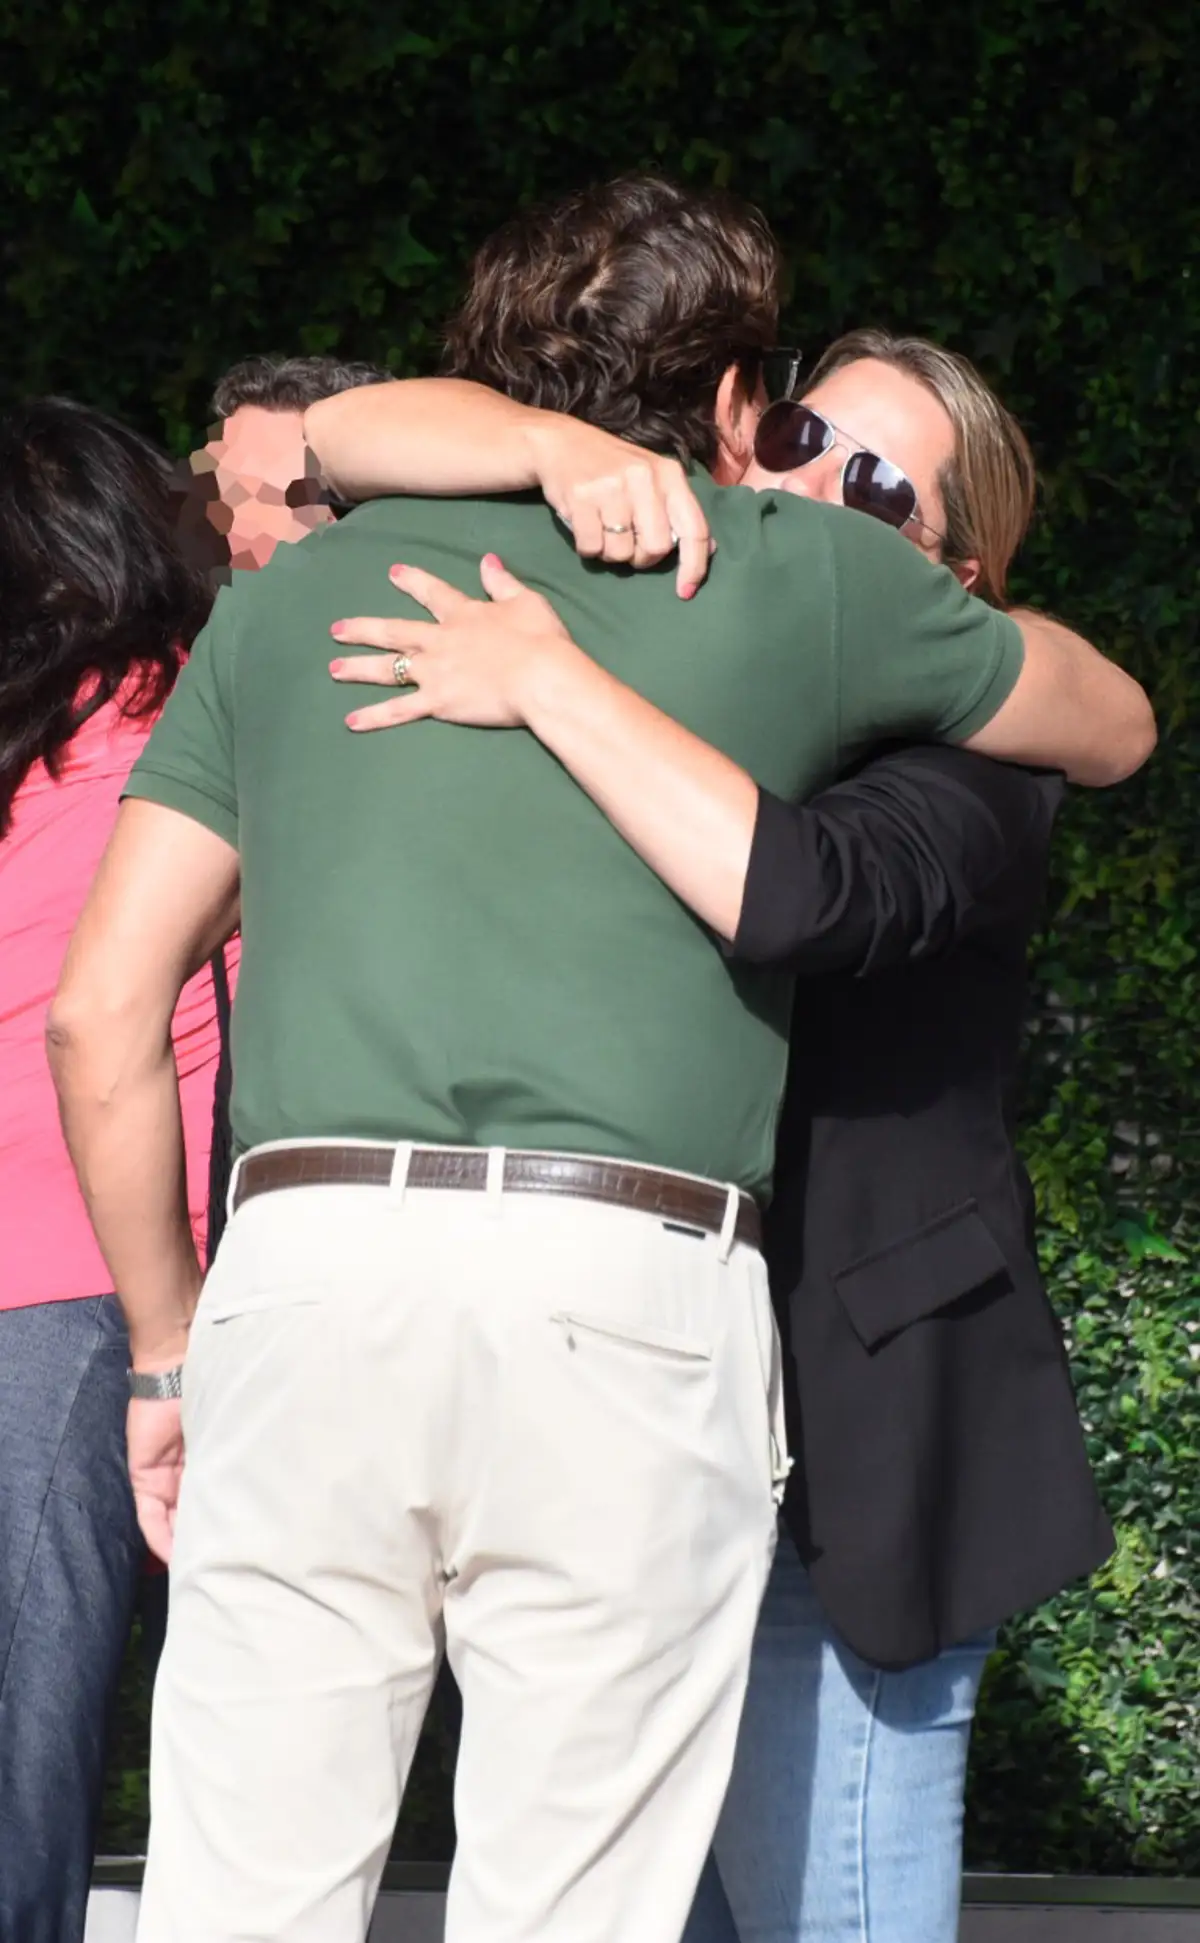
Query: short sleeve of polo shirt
[[917, 656], [188, 763]]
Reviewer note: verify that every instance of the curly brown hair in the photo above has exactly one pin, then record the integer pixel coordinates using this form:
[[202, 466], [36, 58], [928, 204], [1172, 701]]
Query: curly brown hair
[[625, 305]]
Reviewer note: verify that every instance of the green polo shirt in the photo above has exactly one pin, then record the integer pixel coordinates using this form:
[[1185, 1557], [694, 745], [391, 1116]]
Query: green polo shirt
[[443, 938]]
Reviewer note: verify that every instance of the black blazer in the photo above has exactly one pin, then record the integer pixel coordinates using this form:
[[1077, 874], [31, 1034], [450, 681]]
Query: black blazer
[[940, 1481]]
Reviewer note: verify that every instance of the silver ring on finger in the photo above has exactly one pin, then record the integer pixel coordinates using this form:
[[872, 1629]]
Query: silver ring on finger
[[402, 671]]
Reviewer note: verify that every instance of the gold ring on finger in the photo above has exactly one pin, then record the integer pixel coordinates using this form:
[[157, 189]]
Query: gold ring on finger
[[401, 667], [616, 529]]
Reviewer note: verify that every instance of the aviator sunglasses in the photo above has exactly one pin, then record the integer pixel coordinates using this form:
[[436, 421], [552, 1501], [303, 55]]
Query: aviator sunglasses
[[791, 435]]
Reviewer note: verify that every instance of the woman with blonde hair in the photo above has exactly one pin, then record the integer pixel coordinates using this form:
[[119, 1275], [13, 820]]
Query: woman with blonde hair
[[941, 1482]]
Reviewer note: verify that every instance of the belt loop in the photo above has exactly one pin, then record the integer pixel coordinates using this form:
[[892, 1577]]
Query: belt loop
[[495, 1182], [231, 1190], [401, 1163], [733, 1204]]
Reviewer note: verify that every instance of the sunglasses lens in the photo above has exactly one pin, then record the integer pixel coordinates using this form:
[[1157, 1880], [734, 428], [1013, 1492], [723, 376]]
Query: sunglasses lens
[[872, 485], [788, 436]]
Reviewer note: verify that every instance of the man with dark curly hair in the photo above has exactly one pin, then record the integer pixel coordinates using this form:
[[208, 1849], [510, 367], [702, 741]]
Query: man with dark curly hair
[[487, 1357]]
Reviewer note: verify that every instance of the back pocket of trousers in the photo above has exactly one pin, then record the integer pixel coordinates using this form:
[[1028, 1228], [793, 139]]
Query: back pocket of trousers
[[634, 1332]]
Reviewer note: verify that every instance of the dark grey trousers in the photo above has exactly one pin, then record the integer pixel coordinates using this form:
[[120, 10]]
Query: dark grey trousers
[[70, 1554]]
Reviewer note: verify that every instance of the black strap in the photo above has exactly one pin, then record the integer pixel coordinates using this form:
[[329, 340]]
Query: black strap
[[220, 1163]]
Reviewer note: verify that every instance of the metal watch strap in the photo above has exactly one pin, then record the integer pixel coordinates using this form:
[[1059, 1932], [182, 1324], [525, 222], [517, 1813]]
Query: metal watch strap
[[156, 1386]]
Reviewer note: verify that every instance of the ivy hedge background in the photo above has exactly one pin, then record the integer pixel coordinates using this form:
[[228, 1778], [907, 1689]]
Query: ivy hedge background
[[187, 183]]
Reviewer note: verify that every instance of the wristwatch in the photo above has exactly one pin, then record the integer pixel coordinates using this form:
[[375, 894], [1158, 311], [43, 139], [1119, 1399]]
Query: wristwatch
[[157, 1386]]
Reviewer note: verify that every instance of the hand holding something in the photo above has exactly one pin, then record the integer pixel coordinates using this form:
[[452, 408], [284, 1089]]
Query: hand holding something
[[469, 664], [622, 503], [154, 1440]]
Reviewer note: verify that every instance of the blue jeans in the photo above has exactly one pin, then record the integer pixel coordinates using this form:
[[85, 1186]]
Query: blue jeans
[[843, 1821], [70, 1553]]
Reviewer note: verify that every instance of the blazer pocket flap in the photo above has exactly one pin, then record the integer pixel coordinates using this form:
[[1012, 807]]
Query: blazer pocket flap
[[919, 1274]]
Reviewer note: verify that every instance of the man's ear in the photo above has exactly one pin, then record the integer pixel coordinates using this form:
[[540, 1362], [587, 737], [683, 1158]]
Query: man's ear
[[967, 571], [736, 417]]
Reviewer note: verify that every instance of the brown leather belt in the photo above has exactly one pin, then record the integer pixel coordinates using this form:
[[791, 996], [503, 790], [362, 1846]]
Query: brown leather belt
[[671, 1197]]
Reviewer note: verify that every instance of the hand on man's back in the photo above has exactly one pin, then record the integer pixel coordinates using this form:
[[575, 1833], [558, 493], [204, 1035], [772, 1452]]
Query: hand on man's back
[[623, 504]]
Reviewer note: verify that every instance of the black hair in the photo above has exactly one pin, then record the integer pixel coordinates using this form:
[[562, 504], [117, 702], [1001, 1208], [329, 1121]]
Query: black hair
[[289, 384], [93, 582]]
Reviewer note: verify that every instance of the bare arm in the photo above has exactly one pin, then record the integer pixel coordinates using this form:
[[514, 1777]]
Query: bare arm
[[426, 435], [445, 435], [165, 897], [687, 809], [1071, 709]]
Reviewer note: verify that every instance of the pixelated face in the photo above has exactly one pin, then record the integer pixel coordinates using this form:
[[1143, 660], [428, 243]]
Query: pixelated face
[[266, 481]]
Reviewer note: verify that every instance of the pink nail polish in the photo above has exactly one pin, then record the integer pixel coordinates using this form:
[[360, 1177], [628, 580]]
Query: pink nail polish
[[338, 630], [688, 592], [335, 667], [398, 568]]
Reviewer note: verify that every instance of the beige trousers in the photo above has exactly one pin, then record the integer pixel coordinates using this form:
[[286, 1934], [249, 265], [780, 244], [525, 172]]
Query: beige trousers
[[546, 1432]]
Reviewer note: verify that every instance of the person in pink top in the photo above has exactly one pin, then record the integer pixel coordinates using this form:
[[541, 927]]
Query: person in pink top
[[97, 605]]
